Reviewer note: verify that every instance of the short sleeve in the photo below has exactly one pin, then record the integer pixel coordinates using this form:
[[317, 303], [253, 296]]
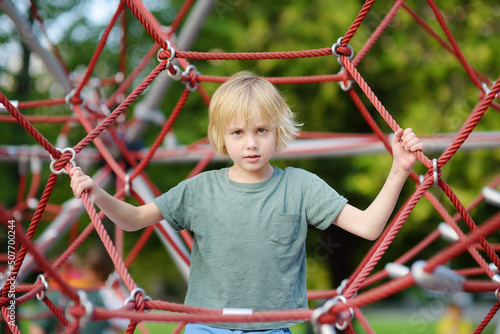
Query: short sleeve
[[323, 203], [172, 206]]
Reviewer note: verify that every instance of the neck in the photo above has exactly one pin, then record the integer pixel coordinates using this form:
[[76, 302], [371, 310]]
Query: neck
[[240, 175]]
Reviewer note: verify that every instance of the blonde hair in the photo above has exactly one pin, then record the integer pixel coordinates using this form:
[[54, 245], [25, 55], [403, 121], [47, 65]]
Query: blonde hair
[[246, 94]]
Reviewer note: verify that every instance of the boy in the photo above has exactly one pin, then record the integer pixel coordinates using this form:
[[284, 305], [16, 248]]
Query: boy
[[249, 221]]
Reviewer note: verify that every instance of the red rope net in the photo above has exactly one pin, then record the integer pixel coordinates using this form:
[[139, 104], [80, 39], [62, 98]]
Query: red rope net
[[97, 120]]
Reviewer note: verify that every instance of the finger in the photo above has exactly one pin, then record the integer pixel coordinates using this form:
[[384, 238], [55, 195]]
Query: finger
[[408, 143], [397, 136], [81, 187], [73, 170], [407, 131], [417, 147], [77, 182]]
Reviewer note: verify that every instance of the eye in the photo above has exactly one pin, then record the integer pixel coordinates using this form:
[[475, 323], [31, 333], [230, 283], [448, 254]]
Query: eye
[[237, 133], [261, 130]]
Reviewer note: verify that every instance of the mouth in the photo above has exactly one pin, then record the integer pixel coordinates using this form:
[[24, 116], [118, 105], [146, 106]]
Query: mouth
[[252, 157]]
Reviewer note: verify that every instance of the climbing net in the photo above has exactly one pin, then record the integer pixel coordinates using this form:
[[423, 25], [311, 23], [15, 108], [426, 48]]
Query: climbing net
[[343, 303]]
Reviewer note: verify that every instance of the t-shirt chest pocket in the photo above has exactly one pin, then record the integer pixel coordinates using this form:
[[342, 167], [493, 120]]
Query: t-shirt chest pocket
[[284, 228]]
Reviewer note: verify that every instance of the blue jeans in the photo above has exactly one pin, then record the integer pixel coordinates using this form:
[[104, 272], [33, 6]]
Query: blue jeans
[[204, 329]]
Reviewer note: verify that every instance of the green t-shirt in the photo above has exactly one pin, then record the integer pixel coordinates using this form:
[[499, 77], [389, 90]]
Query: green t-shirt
[[249, 238]]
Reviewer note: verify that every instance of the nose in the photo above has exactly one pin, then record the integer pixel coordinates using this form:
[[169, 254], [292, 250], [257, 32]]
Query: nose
[[251, 141]]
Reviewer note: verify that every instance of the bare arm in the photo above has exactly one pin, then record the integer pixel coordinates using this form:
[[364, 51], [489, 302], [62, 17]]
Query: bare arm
[[125, 215], [370, 222]]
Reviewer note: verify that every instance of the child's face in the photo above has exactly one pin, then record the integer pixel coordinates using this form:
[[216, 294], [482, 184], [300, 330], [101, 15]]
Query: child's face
[[250, 145]]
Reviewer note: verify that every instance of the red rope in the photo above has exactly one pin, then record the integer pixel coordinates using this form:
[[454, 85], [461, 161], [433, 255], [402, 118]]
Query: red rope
[[21, 119], [472, 226], [378, 105], [487, 319], [42, 262], [453, 223], [454, 44], [159, 140], [438, 38], [108, 244], [267, 316], [41, 103], [470, 124], [249, 55], [120, 109], [56, 311], [99, 49], [12, 324], [487, 228], [357, 22], [181, 14], [377, 33], [40, 119], [32, 227], [147, 20], [280, 80], [107, 156], [387, 238]]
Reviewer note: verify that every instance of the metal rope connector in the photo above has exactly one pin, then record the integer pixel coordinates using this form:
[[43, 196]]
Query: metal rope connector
[[41, 295], [396, 270], [491, 196], [443, 279], [71, 161], [172, 53], [127, 184], [68, 97], [347, 84], [487, 90], [337, 55], [345, 316], [187, 73], [447, 232], [133, 295], [435, 171], [85, 302]]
